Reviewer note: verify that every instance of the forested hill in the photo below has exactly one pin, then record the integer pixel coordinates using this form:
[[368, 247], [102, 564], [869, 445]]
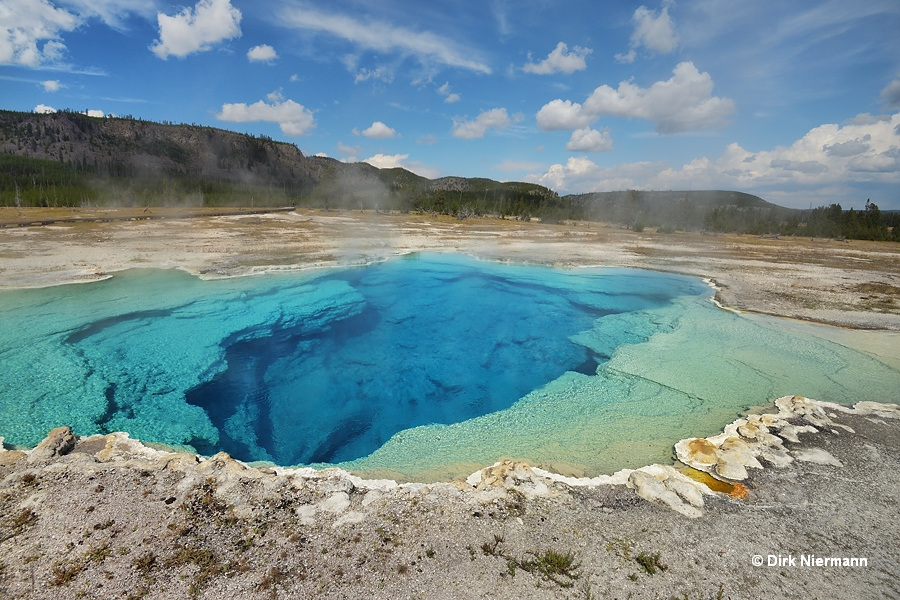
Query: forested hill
[[69, 158], [136, 150], [726, 211], [676, 209]]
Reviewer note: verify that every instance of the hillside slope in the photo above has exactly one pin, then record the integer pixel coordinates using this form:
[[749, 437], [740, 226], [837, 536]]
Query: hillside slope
[[136, 162]]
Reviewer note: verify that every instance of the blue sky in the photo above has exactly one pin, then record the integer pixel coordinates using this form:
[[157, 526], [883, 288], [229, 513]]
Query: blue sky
[[798, 102]]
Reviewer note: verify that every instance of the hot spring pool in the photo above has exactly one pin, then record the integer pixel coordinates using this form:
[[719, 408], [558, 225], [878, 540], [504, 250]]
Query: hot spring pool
[[421, 368]]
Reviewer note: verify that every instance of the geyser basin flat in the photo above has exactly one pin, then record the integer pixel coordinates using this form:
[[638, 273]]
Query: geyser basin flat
[[421, 368]]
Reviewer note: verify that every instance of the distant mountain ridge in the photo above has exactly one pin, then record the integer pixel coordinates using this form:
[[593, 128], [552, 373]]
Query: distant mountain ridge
[[68, 159], [136, 162], [697, 197], [134, 149]]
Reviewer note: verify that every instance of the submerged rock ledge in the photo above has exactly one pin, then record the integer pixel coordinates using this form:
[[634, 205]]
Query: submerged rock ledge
[[106, 513]]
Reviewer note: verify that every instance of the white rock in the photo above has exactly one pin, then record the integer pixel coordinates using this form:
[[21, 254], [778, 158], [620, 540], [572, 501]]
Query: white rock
[[738, 450], [306, 513], [351, 518], [687, 490], [372, 496], [652, 489], [777, 457], [731, 469], [790, 432], [819, 456], [702, 454], [336, 503], [886, 411], [337, 485]]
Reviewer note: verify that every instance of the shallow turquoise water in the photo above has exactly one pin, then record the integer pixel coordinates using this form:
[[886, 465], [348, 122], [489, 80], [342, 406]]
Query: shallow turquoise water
[[424, 367]]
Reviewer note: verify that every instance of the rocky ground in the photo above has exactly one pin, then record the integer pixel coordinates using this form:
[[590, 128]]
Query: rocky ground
[[106, 517]]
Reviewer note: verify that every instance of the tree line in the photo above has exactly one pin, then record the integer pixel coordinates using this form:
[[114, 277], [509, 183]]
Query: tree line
[[824, 222]]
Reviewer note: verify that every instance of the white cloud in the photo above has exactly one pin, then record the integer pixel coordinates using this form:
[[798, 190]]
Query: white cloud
[[294, 119], [24, 24], [422, 170], [51, 85], [495, 118], [44, 109], [499, 10], [381, 73], [830, 160], [800, 166], [849, 148], [560, 60], [683, 102], [516, 165], [387, 161], [31, 30], [867, 119], [626, 58], [381, 36], [393, 161], [580, 174], [196, 29], [890, 95], [349, 153], [99, 114], [262, 53], [562, 114], [449, 96], [112, 12], [379, 131], [653, 30], [589, 140]]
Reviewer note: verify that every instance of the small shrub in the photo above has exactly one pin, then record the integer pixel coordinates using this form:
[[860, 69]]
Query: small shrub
[[145, 562], [650, 562], [64, 573], [98, 554], [558, 567], [272, 577], [102, 526], [203, 558]]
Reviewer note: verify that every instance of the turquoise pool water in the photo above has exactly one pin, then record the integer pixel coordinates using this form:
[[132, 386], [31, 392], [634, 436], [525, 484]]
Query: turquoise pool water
[[425, 367]]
